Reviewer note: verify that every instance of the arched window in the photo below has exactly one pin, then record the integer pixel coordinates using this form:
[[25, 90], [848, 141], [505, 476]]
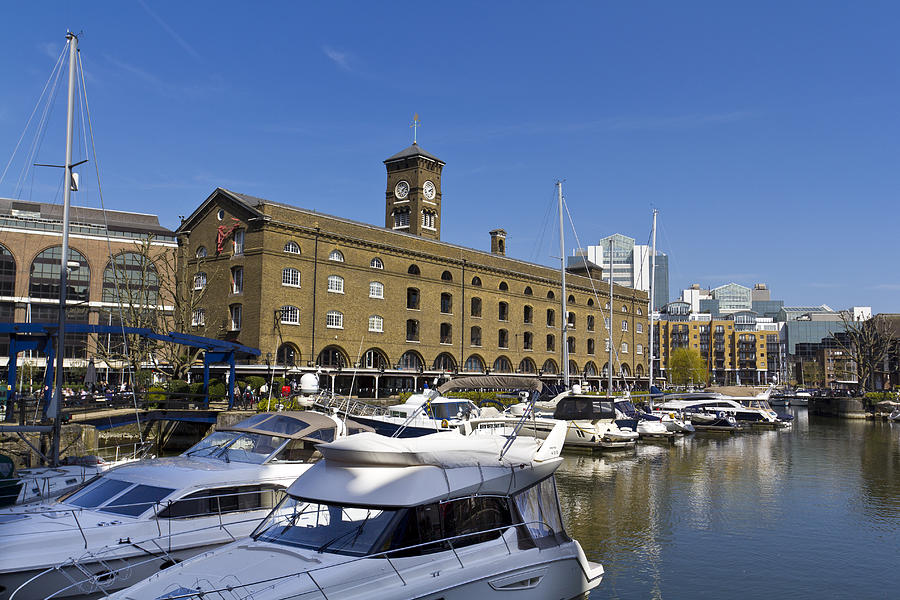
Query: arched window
[[570, 342], [503, 286], [201, 252], [551, 317], [412, 298], [444, 362], [199, 280], [528, 314], [590, 302], [503, 311], [551, 343], [551, 295], [410, 361], [446, 333], [290, 315], [376, 324], [336, 256], [446, 303], [624, 325], [590, 322], [476, 307], [503, 338], [414, 270], [334, 320], [446, 276], [286, 355], [639, 370], [336, 284], [624, 309], [44, 281], [474, 364], [528, 341], [571, 320], [292, 247], [590, 346], [639, 349], [131, 278], [502, 365], [475, 336], [374, 359], [639, 311], [528, 291], [625, 371], [331, 357], [376, 290], [573, 368], [571, 299], [290, 277], [590, 369], [412, 330], [476, 281], [550, 367], [527, 366], [376, 263]]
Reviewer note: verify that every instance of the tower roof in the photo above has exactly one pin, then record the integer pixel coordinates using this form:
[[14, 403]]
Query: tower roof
[[413, 150]]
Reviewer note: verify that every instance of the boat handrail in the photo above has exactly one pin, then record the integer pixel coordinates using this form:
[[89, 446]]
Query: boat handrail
[[109, 575], [92, 582]]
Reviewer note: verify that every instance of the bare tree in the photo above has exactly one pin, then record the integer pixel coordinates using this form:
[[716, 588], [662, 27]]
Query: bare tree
[[149, 291], [868, 343]]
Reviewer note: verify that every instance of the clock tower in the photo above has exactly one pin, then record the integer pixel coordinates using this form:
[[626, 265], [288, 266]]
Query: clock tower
[[413, 195]]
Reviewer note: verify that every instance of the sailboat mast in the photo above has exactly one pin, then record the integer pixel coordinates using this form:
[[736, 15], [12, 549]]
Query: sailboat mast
[[562, 270], [56, 404], [652, 292], [609, 330]]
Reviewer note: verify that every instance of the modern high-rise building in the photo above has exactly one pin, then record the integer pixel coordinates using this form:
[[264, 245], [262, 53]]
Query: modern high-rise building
[[630, 264]]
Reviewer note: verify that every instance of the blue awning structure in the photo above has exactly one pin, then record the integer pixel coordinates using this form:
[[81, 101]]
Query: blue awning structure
[[41, 337]]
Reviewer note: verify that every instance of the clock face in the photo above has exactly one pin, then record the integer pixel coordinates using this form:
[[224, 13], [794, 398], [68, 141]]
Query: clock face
[[428, 190], [401, 190]]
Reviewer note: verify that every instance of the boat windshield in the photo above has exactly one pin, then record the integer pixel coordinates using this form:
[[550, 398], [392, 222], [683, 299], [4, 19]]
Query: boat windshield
[[450, 410], [236, 446], [325, 527], [118, 496]]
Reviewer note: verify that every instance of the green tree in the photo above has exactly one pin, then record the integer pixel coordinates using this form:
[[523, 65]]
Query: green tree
[[687, 366]]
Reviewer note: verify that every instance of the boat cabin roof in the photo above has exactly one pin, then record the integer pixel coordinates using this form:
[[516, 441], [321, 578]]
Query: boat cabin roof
[[290, 424]]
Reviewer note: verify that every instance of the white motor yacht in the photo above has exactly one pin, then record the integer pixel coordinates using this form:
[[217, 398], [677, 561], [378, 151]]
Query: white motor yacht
[[438, 516], [648, 426], [421, 414], [135, 519], [755, 410]]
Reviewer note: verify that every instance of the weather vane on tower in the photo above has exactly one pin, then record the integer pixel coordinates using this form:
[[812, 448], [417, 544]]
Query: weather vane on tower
[[415, 127]]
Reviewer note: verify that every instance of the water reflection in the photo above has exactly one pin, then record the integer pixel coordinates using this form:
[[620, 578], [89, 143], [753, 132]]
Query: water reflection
[[741, 516]]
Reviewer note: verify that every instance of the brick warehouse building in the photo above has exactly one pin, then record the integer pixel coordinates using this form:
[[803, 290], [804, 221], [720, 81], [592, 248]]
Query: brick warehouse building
[[30, 249], [389, 308]]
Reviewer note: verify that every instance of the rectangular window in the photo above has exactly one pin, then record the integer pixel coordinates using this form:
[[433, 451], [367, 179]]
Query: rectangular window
[[640, 327], [334, 320], [624, 325], [238, 241], [290, 277], [336, 284], [290, 315], [376, 290], [376, 324], [236, 317], [198, 317], [639, 349], [401, 220], [237, 280]]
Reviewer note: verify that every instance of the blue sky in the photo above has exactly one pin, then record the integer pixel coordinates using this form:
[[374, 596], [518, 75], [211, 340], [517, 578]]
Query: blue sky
[[765, 133]]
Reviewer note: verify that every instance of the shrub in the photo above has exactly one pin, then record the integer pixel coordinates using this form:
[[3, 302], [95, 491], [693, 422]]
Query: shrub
[[256, 382], [217, 390], [157, 395]]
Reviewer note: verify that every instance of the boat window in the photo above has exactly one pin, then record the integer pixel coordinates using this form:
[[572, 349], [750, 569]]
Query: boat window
[[95, 494], [252, 448], [450, 410], [325, 434], [539, 509], [424, 529], [325, 527], [300, 451], [136, 500], [588, 408], [223, 500], [254, 420], [285, 425]]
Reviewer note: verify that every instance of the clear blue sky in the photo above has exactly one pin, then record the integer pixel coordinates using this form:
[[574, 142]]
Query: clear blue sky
[[766, 133]]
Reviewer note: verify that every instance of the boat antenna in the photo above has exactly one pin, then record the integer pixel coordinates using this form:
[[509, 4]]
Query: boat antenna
[[562, 270]]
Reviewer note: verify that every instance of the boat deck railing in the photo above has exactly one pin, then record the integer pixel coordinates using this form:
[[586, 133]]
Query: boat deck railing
[[96, 571], [350, 406], [99, 580]]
